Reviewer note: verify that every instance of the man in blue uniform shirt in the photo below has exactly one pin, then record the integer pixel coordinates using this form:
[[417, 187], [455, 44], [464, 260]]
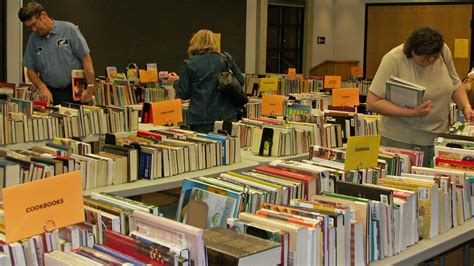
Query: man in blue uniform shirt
[[53, 50]]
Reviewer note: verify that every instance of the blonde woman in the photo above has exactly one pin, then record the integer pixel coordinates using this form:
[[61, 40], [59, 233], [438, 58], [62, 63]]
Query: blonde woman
[[197, 81]]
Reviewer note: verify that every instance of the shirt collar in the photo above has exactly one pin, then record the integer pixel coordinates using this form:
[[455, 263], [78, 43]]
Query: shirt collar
[[55, 29]]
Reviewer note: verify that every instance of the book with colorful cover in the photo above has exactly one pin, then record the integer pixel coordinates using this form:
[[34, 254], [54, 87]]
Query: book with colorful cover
[[219, 207], [186, 194]]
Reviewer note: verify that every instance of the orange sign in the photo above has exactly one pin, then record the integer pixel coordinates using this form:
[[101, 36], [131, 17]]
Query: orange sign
[[272, 104], [43, 205], [332, 82], [147, 76], [357, 72], [345, 97], [167, 112], [291, 71]]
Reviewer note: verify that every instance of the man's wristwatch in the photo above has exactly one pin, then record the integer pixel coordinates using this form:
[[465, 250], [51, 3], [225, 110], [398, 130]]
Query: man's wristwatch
[[90, 85]]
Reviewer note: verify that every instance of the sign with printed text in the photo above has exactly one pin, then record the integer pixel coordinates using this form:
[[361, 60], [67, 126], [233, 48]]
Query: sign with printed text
[[357, 71], [362, 152], [148, 76], [43, 205], [167, 112], [272, 104], [291, 71], [332, 82], [345, 97], [268, 84]]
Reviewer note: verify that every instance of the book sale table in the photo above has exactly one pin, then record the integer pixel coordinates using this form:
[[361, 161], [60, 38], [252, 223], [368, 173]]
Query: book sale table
[[143, 186], [430, 248]]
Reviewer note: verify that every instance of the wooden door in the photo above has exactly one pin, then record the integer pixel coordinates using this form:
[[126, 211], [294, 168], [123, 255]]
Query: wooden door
[[389, 25]]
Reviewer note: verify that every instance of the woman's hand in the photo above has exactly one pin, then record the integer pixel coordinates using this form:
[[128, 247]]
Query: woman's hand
[[422, 109], [172, 76]]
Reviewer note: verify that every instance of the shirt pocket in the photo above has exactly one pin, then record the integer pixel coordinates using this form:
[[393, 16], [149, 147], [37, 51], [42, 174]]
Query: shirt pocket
[[41, 60], [66, 56]]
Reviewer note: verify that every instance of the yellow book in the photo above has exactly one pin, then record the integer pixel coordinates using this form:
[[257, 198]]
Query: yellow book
[[427, 201]]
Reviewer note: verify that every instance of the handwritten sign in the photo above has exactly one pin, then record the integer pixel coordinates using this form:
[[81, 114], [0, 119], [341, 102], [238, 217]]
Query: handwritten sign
[[362, 152], [291, 71], [345, 97], [167, 112], [357, 71], [147, 76], [295, 108], [272, 104], [268, 84], [332, 82], [43, 205]]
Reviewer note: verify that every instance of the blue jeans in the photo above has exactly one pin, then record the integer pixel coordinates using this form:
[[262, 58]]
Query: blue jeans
[[427, 150]]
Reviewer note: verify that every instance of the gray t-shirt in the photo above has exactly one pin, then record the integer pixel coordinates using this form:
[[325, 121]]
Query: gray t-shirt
[[55, 55], [440, 80]]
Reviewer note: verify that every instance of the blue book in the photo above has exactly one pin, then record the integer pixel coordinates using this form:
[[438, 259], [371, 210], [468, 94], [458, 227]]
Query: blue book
[[224, 141], [144, 165]]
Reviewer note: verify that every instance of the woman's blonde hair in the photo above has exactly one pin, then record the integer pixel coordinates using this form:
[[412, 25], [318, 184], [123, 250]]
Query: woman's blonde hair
[[202, 42]]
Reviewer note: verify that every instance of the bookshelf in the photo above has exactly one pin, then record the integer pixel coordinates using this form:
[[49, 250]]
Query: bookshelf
[[30, 144], [248, 155], [147, 186], [430, 248]]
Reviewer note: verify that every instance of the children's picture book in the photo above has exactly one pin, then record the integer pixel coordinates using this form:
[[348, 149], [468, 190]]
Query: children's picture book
[[404, 93], [78, 83], [220, 207], [111, 72]]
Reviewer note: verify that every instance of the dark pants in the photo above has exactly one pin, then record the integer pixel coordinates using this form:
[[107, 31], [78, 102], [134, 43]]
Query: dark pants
[[428, 151], [61, 95]]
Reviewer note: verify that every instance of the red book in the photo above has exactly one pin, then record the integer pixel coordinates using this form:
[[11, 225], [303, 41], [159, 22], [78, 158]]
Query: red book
[[128, 246], [310, 181], [149, 135]]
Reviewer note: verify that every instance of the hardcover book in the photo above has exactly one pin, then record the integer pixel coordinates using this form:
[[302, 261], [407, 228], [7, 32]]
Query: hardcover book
[[404, 93], [227, 247]]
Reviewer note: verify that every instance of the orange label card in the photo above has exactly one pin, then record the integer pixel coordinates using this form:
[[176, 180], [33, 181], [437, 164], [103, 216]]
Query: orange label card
[[357, 71], [167, 112], [43, 205], [332, 82], [291, 71], [272, 104], [147, 76], [345, 97], [268, 84]]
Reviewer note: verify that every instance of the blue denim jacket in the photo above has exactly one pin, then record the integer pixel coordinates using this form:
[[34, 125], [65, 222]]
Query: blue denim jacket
[[198, 82]]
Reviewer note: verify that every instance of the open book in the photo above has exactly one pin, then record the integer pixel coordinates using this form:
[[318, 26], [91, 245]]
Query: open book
[[404, 93]]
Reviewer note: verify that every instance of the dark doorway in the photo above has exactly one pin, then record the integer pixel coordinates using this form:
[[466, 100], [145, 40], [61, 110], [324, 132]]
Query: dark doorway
[[285, 29]]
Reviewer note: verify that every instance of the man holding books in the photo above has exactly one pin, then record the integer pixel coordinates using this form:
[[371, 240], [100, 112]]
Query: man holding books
[[424, 59], [53, 50]]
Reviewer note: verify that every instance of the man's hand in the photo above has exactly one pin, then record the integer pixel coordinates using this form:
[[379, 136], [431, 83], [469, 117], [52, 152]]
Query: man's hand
[[45, 95], [423, 109], [87, 95]]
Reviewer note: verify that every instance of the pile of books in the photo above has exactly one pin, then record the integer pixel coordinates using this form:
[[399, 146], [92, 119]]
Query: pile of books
[[20, 122]]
